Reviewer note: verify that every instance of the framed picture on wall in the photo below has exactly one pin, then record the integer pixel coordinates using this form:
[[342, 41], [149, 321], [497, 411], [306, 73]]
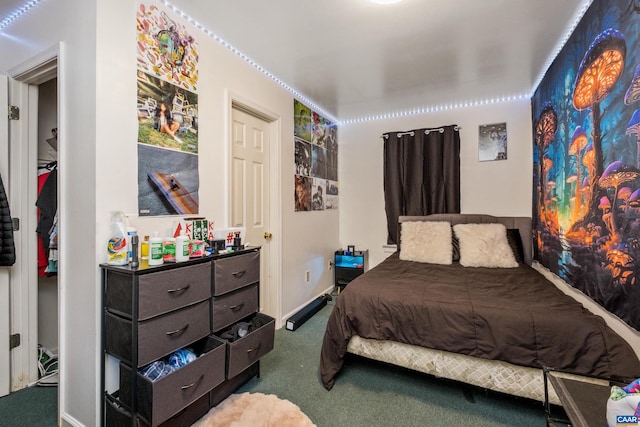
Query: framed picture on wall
[[492, 142]]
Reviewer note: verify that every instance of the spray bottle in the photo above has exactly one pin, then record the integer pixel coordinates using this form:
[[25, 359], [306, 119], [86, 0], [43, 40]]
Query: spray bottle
[[117, 246]]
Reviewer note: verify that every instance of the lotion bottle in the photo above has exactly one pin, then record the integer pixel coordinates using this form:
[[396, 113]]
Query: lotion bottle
[[155, 249], [182, 247]]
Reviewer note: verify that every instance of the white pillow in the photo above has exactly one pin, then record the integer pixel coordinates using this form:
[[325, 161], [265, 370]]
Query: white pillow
[[426, 241], [484, 245]]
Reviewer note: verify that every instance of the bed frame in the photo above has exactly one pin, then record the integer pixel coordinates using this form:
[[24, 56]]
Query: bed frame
[[490, 374]]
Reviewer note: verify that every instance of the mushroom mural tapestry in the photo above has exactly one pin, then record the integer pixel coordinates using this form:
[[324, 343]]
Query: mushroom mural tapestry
[[586, 151]]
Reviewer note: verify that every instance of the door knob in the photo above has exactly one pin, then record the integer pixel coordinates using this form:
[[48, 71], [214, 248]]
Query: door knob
[[267, 235]]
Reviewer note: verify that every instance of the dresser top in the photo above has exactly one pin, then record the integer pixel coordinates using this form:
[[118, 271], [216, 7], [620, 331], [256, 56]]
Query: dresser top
[[145, 268]]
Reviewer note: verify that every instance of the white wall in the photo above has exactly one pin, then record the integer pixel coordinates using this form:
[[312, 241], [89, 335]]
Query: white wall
[[98, 132], [496, 188], [73, 23]]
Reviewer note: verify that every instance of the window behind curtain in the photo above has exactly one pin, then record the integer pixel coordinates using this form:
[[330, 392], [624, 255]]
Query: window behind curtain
[[421, 174]]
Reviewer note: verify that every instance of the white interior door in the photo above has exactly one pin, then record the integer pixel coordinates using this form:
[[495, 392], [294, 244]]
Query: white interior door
[[250, 191], [22, 196], [5, 330]]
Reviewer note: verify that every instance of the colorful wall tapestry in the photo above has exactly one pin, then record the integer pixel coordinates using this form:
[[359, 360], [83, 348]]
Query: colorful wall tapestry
[[316, 160], [586, 171], [167, 109]]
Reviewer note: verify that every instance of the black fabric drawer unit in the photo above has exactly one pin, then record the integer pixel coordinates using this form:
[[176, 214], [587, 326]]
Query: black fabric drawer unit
[[163, 398], [118, 416], [234, 272], [159, 292], [234, 306], [245, 351], [159, 336]]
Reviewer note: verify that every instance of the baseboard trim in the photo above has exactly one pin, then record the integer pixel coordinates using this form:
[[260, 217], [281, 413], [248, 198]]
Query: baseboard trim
[[68, 420]]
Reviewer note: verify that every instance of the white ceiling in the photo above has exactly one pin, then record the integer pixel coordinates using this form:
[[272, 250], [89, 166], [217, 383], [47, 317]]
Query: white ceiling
[[354, 58]]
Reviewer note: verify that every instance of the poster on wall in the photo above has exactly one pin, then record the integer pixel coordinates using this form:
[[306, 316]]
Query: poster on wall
[[316, 160], [301, 121], [318, 190], [302, 193], [165, 48], [331, 201], [586, 171], [492, 142], [167, 111]]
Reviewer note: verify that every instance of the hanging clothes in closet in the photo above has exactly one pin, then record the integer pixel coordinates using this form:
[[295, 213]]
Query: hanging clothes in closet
[[47, 204], [7, 248]]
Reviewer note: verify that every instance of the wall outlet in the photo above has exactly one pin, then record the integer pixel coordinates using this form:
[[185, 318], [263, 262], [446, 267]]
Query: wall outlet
[[307, 276], [329, 265]]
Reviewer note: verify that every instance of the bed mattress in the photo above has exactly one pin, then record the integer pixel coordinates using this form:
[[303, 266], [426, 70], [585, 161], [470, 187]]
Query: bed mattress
[[511, 315], [494, 375]]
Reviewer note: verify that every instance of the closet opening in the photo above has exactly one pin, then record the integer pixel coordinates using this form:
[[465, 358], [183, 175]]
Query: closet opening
[[34, 144], [47, 234]]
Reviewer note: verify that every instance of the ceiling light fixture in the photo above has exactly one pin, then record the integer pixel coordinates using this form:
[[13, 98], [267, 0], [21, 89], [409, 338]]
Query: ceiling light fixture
[[385, 1]]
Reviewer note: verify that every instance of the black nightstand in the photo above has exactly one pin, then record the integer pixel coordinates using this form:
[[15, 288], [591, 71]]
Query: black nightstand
[[348, 265]]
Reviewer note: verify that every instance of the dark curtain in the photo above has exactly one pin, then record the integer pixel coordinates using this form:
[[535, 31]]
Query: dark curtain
[[421, 174]]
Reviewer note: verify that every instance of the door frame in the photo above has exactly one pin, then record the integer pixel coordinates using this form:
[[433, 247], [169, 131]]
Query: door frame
[[274, 269], [5, 272], [23, 143]]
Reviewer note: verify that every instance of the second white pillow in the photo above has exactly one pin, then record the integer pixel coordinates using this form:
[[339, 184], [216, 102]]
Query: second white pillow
[[484, 245]]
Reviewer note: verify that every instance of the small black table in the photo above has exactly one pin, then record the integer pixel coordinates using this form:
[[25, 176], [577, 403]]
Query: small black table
[[349, 265], [585, 403]]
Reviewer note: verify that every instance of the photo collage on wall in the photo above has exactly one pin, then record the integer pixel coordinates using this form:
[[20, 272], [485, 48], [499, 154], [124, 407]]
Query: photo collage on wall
[[167, 110], [316, 160]]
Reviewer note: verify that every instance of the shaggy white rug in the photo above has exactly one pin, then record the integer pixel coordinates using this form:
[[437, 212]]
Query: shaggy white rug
[[254, 410]]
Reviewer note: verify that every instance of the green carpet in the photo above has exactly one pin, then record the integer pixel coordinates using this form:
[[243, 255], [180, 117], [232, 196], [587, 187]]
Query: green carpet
[[368, 393], [29, 407]]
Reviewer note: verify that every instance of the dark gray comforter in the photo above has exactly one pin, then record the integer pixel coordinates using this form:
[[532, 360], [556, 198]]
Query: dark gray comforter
[[513, 314]]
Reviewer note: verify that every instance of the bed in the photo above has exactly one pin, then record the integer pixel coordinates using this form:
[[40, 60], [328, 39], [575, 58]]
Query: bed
[[495, 328]]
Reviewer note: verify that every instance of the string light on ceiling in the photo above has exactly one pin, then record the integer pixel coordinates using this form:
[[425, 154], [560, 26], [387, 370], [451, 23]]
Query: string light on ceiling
[[436, 108], [248, 60], [415, 111], [12, 17], [554, 53]]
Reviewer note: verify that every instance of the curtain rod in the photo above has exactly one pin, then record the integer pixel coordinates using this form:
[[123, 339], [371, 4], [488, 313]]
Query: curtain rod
[[426, 131]]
